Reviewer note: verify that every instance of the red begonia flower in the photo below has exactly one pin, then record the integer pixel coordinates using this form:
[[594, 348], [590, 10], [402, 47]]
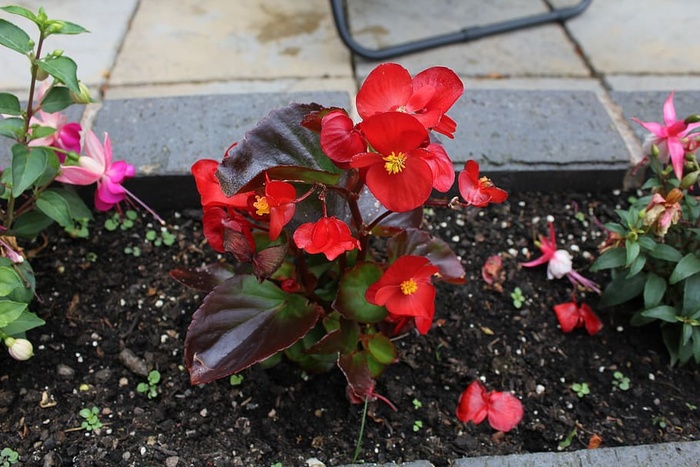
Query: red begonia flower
[[226, 230], [279, 203], [477, 191], [340, 139], [329, 235], [406, 290], [209, 188], [504, 410], [428, 96], [402, 172], [571, 315]]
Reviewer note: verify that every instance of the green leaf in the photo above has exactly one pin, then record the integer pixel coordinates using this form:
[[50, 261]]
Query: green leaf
[[9, 280], [30, 224], [342, 340], [18, 10], [26, 321], [671, 338], [26, 168], [614, 258], [10, 311], [686, 334], [9, 104], [381, 348], [686, 267], [57, 99], [53, 165], [654, 290], [76, 206], [420, 243], [666, 253], [632, 251], [57, 26], [291, 151], [63, 69], [622, 289], [241, 322], [24, 294], [14, 37], [350, 299], [647, 243], [56, 207], [663, 312], [11, 127], [617, 228], [42, 131], [637, 265], [691, 295]]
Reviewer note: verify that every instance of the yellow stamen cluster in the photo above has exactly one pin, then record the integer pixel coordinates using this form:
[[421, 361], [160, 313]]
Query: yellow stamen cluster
[[485, 182], [261, 206], [395, 163], [408, 287]]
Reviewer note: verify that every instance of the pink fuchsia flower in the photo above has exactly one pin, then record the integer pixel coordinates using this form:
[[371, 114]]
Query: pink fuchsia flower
[[669, 136], [478, 191], [66, 136], [662, 212], [407, 291], [96, 166], [328, 235], [559, 262], [427, 96], [503, 410], [571, 315]]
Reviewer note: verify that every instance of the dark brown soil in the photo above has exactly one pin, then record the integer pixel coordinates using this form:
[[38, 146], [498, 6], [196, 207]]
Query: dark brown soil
[[99, 302]]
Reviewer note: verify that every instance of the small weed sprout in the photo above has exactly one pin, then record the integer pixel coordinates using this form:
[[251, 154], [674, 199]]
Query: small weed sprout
[[8, 457], [517, 297], [118, 221], [164, 238], [132, 250], [565, 443], [660, 421], [417, 404], [621, 381], [417, 425], [581, 389], [236, 380], [92, 420], [150, 388]]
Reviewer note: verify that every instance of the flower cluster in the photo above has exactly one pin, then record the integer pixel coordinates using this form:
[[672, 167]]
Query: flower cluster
[[304, 205], [46, 149], [654, 248]]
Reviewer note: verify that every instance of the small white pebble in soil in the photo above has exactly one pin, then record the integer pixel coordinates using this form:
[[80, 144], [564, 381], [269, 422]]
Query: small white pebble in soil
[[518, 351], [443, 224], [525, 251], [455, 238], [550, 218], [123, 382], [521, 204], [512, 252], [587, 255], [163, 338], [569, 405], [616, 192], [203, 412], [94, 343], [539, 389], [535, 219], [482, 378], [562, 379], [652, 377], [122, 302], [142, 450], [601, 369], [619, 329], [459, 222], [159, 303], [505, 224], [575, 248], [657, 402], [79, 357]]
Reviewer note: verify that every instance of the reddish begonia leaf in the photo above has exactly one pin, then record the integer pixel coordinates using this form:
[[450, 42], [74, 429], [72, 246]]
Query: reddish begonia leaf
[[420, 243], [350, 300], [280, 146], [343, 339], [204, 278], [269, 260], [358, 375], [241, 322]]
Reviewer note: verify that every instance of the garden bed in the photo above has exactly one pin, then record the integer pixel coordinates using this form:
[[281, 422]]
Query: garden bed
[[112, 317]]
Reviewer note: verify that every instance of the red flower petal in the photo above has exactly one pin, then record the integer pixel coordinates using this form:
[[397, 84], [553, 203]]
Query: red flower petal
[[339, 138], [441, 166], [213, 227], [329, 235], [476, 191], [473, 404], [568, 315], [505, 411], [590, 319], [209, 188], [394, 132], [387, 88]]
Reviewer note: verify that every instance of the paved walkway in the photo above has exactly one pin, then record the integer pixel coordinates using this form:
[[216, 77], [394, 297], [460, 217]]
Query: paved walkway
[[546, 107]]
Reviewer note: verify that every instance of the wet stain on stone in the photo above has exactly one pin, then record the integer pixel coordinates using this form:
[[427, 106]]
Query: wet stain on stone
[[281, 25], [291, 51]]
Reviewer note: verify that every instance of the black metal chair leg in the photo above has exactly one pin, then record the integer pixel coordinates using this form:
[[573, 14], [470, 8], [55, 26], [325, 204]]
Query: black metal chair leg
[[465, 35]]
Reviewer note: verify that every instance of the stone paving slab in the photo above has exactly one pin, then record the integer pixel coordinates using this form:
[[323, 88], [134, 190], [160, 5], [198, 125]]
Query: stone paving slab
[[94, 52], [633, 37], [540, 51], [205, 40]]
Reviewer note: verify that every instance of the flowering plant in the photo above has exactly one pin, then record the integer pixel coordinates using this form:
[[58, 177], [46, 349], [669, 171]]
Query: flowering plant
[[323, 218], [653, 251], [46, 148]]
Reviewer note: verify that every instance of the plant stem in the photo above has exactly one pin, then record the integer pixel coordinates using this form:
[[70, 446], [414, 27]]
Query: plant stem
[[358, 445]]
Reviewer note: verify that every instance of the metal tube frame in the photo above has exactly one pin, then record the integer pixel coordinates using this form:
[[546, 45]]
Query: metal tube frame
[[465, 35]]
